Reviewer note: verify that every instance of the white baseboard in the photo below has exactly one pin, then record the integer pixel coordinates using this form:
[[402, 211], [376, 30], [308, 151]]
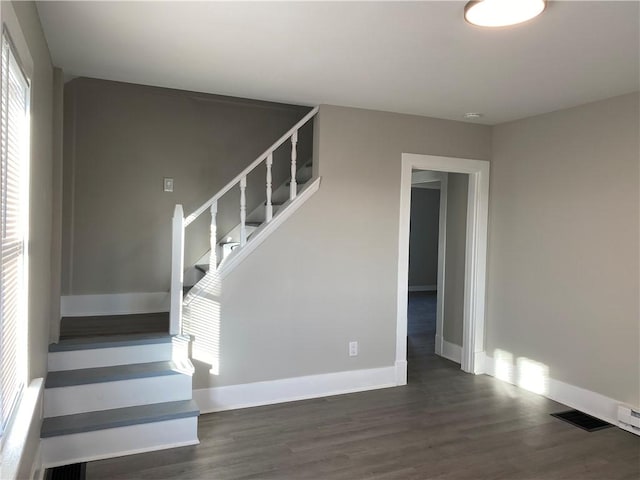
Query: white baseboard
[[401, 372], [587, 401], [114, 304], [451, 351], [423, 288], [232, 397]]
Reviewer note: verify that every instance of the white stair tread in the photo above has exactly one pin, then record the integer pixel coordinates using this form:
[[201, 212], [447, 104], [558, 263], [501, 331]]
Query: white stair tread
[[68, 378], [109, 341], [118, 417]]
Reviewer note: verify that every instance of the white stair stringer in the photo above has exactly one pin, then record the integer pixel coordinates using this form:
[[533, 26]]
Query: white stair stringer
[[111, 396], [213, 277], [255, 219]]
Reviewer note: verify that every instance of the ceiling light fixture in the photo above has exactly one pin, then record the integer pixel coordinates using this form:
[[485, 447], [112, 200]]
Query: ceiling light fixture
[[501, 13], [473, 115]]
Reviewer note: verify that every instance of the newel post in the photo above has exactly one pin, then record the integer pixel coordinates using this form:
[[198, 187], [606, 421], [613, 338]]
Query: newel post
[[177, 271]]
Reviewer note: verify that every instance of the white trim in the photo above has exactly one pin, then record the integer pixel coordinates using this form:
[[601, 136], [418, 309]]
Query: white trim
[[450, 351], [260, 235], [587, 401], [629, 419], [107, 357], [232, 397], [37, 471], [116, 442], [401, 372], [476, 251], [442, 255], [265, 230], [16, 436], [114, 304], [423, 288]]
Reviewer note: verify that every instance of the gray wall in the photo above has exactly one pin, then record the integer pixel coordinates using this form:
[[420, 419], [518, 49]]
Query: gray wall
[[120, 141], [42, 250], [457, 188], [329, 274], [563, 245], [423, 239]]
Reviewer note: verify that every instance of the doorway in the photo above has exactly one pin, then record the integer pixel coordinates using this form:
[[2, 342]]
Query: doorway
[[436, 266], [472, 348]]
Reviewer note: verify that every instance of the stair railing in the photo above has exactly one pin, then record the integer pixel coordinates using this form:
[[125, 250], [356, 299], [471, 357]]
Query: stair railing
[[180, 222]]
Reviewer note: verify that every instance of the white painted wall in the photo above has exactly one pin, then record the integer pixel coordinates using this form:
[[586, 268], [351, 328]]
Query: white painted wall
[[423, 239], [564, 247], [329, 274], [458, 184]]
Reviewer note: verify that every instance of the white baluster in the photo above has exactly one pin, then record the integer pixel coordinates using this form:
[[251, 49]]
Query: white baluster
[[269, 206], [177, 271], [243, 211], [213, 259], [293, 191]]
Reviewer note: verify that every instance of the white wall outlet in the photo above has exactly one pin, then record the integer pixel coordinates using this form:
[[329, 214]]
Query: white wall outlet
[[168, 184], [353, 349]]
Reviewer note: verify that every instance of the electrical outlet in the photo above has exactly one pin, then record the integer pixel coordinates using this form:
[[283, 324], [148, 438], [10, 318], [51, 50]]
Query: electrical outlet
[[353, 349], [167, 184]]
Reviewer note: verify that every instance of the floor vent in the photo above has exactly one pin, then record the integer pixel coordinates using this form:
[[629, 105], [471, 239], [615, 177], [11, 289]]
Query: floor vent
[[582, 420], [77, 471]]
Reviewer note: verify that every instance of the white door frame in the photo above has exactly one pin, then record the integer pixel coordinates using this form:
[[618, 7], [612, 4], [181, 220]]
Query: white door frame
[[475, 256], [442, 178]]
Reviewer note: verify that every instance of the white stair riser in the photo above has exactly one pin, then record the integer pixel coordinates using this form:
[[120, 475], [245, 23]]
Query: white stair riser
[[115, 442], [122, 393], [106, 357]]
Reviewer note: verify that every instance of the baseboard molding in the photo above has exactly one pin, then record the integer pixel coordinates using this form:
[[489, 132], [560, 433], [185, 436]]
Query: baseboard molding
[[114, 304], [592, 403], [217, 399], [423, 288], [401, 372], [451, 351]]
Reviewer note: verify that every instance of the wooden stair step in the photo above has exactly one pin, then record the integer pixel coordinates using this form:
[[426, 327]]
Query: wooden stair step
[[109, 341], [118, 417], [68, 378]]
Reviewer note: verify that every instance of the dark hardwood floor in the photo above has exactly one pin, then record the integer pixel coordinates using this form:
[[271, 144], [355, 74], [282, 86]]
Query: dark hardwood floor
[[444, 424], [78, 327]]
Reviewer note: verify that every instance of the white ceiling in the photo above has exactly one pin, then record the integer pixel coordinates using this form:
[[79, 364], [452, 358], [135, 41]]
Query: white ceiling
[[417, 57]]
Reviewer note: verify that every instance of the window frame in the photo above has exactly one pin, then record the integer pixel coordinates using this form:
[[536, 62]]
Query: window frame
[[22, 357]]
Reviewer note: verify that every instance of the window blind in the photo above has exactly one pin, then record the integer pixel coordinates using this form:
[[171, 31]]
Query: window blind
[[14, 130]]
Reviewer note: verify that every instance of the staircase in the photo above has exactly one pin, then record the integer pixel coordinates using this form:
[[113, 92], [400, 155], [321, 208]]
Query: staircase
[[230, 241], [122, 385], [115, 392], [279, 204]]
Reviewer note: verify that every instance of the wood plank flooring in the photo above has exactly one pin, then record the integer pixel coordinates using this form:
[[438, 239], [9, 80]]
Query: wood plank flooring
[[444, 424]]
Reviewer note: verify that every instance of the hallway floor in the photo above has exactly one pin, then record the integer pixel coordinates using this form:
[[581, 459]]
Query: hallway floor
[[444, 424]]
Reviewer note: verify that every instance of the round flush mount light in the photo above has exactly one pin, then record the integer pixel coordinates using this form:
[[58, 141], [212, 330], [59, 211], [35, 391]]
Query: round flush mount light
[[473, 115], [501, 13]]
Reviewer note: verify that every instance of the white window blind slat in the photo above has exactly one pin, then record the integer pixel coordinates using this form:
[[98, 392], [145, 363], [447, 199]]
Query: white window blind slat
[[13, 214]]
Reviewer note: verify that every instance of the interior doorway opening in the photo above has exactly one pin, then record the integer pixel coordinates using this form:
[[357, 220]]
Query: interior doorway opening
[[471, 282], [437, 238]]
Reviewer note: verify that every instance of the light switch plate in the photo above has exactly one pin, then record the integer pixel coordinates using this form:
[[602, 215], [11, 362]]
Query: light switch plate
[[168, 184]]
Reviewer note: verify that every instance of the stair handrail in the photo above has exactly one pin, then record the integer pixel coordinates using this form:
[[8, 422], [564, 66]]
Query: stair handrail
[[180, 223], [261, 158]]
